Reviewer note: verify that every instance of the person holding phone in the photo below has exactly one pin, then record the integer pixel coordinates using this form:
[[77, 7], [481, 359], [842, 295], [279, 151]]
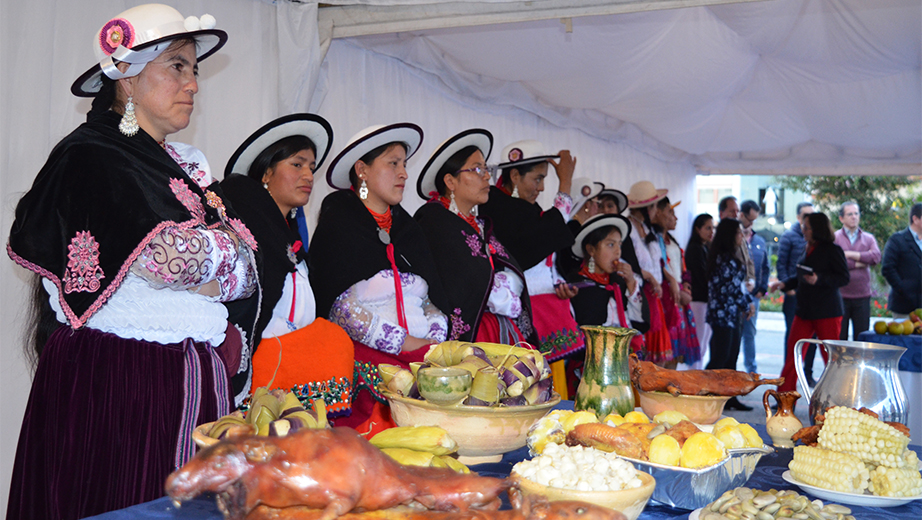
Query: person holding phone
[[821, 271]]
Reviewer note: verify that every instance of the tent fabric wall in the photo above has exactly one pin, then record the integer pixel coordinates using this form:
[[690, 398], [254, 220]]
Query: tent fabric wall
[[773, 73], [751, 86], [46, 44]]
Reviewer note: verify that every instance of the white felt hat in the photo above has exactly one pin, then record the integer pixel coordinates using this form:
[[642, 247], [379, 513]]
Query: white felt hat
[[367, 140], [583, 189], [596, 222], [312, 126], [138, 35], [525, 152], [482, 139]]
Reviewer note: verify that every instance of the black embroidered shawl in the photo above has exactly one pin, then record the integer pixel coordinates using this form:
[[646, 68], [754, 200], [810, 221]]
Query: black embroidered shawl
[[460, 255], [345, 249], [590, 305], [275, 235], [529, 234], [97, 202]]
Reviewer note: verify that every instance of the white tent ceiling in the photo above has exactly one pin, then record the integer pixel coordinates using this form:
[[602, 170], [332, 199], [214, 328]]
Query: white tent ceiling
[[777, 86]]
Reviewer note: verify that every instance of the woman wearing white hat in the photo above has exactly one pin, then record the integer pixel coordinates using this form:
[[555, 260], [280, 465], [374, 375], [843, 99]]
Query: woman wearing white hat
[[370, 266], [642, 199], [609, 295], [484, 284], [269, 176], [533, 237], [135, 257]]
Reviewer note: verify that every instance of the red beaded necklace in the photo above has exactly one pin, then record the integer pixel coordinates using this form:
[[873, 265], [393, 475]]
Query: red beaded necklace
[[470, 219], [599, 278], [384, 220]]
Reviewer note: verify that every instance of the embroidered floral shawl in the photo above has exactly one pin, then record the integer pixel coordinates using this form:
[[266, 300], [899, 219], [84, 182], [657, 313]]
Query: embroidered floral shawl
[[97, 202], [460, 255]]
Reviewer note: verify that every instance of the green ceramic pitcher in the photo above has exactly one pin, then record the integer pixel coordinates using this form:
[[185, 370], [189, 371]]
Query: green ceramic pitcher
[[605, 386]]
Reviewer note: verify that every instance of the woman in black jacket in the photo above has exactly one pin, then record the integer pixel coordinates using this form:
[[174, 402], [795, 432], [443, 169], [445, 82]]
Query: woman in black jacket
[[696, 277], [820, 273]]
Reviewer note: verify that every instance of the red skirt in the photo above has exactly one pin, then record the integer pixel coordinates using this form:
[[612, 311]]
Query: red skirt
[[558, 333], [370, 412], [498, 329], [657, 339]]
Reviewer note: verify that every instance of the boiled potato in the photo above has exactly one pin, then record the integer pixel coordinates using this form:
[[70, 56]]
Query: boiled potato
[[702, 449], [636, 417], [725, 422], [731, 436], [669, 418], [577, 418], [753, 439], [614, 419], [665, 450]]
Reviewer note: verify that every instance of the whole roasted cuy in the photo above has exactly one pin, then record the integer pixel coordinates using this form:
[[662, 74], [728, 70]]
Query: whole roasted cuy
[[652, 378], [333, 470]]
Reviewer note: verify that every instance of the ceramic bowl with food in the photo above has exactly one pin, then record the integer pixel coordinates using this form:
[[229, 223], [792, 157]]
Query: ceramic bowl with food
[[444, 386], [483, 433], [700, 409], [630, 502]]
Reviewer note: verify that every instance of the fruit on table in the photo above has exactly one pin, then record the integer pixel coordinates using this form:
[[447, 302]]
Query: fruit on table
[[880, 327], [895, 328]]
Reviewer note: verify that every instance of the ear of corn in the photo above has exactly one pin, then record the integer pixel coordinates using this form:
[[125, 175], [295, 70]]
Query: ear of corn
[[409, 457], [431, 439], [455, 464], [871, 440], [829, 469], [893, 482]]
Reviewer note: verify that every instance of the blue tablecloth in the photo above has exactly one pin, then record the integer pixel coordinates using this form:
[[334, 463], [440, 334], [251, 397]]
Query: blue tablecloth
[[912, 358], [766, 476]]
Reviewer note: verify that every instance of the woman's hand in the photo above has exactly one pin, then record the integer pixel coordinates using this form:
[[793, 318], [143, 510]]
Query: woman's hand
[[751, 312], [564, 167], [412, 343], [774, 286], [657, 288], [685, 298], [674, 290], [811, 278], [565, 291]]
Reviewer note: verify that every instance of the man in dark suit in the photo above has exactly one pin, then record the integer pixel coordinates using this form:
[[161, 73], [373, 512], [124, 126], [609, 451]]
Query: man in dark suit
[[902, 266]]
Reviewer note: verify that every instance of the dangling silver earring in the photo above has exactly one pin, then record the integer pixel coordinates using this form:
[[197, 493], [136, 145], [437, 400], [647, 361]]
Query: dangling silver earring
[[129, 123], [591, 265], [453, 207], [363, 190], [294, 212], [515, 192], [266, 185]]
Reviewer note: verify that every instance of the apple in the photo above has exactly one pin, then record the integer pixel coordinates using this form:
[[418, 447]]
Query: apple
[[880, 327], [895, 328]]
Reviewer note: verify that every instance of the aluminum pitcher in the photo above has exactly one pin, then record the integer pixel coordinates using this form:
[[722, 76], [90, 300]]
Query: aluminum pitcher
[[858, 374]]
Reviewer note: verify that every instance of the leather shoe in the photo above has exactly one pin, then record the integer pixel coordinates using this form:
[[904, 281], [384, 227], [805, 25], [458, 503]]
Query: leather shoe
[[735, 404]]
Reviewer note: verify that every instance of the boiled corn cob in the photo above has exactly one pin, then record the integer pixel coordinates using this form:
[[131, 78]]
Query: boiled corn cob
[[893, 482], [829, 469], [431, 439], [871, 440]]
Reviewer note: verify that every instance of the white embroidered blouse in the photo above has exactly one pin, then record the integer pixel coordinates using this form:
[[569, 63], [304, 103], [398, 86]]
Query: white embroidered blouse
[[157, 300], [368, 312]]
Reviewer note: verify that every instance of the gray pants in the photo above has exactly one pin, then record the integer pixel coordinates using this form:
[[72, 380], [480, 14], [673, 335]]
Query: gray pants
[[858, 311]]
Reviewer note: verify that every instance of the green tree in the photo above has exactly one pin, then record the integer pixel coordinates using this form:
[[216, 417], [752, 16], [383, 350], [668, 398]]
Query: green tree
[[884, 202]]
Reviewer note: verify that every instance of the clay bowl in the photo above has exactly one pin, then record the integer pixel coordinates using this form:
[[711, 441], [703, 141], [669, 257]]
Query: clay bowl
[[483, 433], [630, 502], [700, 409], [444, 386]]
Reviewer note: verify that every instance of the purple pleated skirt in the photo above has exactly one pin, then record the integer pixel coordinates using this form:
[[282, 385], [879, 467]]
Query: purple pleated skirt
[[108, 419]]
